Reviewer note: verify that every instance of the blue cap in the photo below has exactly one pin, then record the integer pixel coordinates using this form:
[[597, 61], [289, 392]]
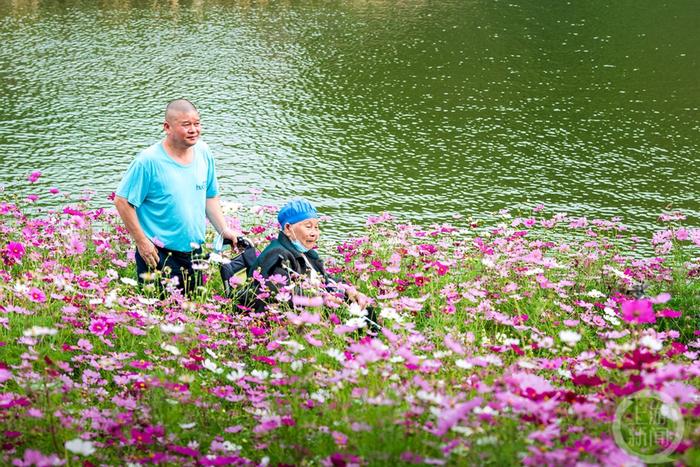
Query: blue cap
[[296, 211]]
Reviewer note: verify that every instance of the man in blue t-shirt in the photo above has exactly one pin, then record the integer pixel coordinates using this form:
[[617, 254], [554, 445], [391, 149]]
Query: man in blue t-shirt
[[166, 195]]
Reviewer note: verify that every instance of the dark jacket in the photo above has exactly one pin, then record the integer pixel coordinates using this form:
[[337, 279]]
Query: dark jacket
[[280, 257]]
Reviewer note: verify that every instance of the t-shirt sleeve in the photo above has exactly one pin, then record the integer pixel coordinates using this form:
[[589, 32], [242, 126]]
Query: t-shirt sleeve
[[212, 184], [135, 183]]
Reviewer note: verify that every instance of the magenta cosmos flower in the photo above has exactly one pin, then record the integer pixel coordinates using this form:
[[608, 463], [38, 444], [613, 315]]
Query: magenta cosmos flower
[[638, 311], [14, 251]]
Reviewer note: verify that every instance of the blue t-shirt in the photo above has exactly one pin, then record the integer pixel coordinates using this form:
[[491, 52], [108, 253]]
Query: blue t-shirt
[[169, 197]]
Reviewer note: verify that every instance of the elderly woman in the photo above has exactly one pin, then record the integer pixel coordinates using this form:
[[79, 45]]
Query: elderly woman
[[293, 250]]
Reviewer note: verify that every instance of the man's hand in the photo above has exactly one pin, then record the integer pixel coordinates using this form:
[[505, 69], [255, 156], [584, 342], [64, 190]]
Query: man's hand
[[231, 235], [148, 252]]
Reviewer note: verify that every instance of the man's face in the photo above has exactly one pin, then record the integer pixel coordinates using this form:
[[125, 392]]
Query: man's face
[[183, 128]]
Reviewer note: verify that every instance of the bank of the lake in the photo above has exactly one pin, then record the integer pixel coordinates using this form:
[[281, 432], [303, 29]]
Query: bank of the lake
[[423, 109]]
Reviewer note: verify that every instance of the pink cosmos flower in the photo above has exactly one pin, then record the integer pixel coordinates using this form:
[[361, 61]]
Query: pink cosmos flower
[[141, 364], [669, 313], [14, 251], [638, 311], [339, 438], [141, 437], [101, 327], [34, 176], [235, 281], [257, 332], [75, 246], [312, 302], [661, 298], [32, 457], [312, 340], [36, 295]]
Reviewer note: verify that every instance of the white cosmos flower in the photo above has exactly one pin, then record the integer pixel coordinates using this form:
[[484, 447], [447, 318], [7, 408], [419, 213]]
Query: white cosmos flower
[[148, 301], [465, 365], [356, 310], [229, 446], [172, 328], [213, 367], [170, 348], [129, 281], [670, 412], [356, 322], [260, 374], [235, 375], [79, 446], [294, 346], [187, 426], [219, 259], [651, 342], [569, 337], [297, 365], [200, 265], [337, 354], [392, 314], [36, 331]]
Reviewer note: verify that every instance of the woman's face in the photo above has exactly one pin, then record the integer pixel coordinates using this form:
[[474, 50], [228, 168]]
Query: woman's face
[[306, 231]]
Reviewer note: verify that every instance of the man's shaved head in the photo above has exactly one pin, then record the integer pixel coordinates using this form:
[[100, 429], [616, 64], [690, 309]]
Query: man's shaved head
[[178, 106]]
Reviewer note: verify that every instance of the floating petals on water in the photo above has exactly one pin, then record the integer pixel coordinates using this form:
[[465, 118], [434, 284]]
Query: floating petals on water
[[34, 176]]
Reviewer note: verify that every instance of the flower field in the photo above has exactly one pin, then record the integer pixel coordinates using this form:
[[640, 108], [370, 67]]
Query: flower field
[[511, 343]]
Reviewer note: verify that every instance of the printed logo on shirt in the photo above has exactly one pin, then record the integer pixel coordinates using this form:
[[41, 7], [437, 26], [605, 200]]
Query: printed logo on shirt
[[201, 186]]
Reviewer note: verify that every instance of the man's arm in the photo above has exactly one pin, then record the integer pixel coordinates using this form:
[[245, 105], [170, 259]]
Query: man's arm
[[145, 246], [216, 217]]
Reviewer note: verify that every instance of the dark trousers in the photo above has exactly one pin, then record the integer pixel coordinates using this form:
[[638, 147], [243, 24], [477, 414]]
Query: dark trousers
[[173, 264]]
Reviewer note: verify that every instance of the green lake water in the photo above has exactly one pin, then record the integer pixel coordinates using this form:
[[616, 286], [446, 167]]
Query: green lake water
[[425, 109]]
